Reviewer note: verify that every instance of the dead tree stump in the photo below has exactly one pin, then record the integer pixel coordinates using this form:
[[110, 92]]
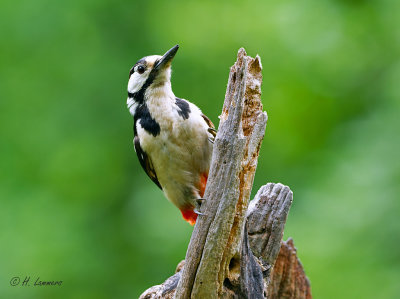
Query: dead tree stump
[[234, 246]]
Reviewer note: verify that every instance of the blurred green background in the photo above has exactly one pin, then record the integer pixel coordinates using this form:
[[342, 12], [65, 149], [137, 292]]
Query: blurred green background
[[77, 207]]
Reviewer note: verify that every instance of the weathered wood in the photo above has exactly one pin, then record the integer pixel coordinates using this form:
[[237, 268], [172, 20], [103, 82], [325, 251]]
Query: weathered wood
[[283, 273], [288, 279], [262, 256], [251, 275], [167, 289], [266, 218], [216, 238], [233, 248]]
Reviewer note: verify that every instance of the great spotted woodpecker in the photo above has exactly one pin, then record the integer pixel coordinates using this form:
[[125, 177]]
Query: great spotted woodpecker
[[173, 139]]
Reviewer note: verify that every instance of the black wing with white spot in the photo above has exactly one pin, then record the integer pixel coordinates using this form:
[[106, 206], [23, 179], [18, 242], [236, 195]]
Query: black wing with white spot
[[146, 163]]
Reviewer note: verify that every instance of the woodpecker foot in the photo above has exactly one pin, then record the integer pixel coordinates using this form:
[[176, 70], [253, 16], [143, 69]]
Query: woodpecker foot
[[198, 204], [199, 201], [213, 132]]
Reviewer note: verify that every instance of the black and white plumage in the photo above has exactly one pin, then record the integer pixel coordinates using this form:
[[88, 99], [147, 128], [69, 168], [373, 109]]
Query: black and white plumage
[[172, 137]]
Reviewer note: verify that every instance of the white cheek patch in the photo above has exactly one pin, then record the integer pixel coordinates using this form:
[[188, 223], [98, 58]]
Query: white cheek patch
[[136, 81]]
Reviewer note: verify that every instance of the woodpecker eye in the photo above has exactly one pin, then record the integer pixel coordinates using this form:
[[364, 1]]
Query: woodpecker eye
[[140, 69]]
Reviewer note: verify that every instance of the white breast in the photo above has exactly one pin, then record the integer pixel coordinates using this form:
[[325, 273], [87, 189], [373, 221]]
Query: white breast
[[180, 153]]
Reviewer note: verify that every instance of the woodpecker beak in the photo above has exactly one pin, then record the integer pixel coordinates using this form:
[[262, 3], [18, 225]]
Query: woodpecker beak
[[167, 58]]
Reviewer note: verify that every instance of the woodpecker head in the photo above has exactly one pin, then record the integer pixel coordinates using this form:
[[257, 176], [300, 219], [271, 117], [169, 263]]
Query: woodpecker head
[[150, 72]]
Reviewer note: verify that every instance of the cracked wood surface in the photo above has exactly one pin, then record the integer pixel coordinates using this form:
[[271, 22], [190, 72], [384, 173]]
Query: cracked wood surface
[[217, 236], [282, 273], [288, 279], [266, 216]]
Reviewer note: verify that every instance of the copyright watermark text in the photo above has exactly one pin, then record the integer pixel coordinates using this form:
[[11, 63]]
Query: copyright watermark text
[[27, 282]]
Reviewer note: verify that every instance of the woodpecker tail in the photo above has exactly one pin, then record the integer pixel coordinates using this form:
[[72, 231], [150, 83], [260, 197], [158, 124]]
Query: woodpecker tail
[[189, 215]]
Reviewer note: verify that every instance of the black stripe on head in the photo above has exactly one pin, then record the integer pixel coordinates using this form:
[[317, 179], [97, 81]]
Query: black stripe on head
[[142, 115], [184, 108], [131, 71]]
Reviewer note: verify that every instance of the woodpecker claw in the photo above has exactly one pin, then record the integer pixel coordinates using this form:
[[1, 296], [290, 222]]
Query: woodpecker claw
[[198, 213], [199, 202], [212, 131]]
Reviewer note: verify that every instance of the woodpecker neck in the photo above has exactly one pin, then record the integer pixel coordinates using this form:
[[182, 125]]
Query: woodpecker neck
[[159, 90], [155, 94]]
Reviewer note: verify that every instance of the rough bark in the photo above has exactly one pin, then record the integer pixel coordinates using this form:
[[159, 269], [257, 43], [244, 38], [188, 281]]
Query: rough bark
[[288, 279], [283, 274], [229, 255], [215, 244], [266, 217]]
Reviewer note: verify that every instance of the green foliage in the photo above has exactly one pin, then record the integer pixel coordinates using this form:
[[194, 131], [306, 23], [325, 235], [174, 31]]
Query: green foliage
[[75, 204]]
